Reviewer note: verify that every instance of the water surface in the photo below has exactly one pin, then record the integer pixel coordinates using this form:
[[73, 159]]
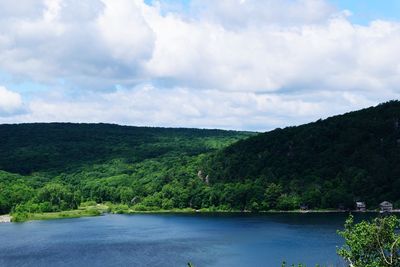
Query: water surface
[[173, 240]]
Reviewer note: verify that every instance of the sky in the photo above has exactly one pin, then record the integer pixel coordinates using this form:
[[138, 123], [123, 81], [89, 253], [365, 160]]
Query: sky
[[230, 64]]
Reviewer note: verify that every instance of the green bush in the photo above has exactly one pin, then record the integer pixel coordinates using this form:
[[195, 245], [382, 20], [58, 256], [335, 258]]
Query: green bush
[[371, 244], [19, 217]]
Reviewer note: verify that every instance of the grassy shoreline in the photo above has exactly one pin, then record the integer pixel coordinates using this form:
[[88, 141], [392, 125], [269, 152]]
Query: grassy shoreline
[[83, 211], [100, 209]]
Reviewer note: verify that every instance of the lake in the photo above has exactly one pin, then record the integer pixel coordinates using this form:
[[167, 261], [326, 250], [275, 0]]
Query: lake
[[173, 240]]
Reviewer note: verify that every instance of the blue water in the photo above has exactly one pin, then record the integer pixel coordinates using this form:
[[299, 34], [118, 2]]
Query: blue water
[[173, 240]]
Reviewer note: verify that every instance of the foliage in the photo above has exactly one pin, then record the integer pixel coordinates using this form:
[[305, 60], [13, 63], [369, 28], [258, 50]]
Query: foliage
[[59, 147], [328, 163], [57, 166], [371, 244], [20, 217], [85, 211], [58, 197]]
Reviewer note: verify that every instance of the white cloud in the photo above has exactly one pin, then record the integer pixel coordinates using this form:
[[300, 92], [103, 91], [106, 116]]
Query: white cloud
[[234, 14], [234, 64], [22, 8], [226, 45], [334, 54], [124, 30], [146, 105], [86, 44], [10, 101]]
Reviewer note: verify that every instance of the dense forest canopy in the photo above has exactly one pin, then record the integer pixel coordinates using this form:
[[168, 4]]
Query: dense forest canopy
[[325, 164], [56, 166], [26, 148], [332, 162]]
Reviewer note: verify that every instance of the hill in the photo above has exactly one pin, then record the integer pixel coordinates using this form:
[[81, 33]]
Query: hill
[[27, 148], [56, 166], [324, 164]]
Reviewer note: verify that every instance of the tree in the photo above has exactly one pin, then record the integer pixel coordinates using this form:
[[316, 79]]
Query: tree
[[126, 195], [371, 244], [288, 202], [272, 193], [13, 195], [60, 197]]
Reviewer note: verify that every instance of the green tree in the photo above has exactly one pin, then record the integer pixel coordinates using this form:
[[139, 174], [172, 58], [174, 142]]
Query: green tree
[[126, 195], [60, 197], [288, 202], [14, 194], [272, 193], [312, 197], [371, 244]]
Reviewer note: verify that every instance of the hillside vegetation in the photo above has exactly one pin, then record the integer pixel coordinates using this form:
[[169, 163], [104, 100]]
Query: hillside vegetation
[[325, 164], [56, 166]]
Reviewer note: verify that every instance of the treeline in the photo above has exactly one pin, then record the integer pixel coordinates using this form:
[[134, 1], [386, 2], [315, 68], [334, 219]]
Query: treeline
[[163, 183], [168, 183]]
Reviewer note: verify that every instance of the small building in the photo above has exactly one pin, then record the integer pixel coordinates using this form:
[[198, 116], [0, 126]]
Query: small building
[[304, 207], [386, 206], [360, 206]]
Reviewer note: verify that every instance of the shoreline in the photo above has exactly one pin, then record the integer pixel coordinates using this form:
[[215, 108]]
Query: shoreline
[[249, 212], [83, 211], [101, 209]]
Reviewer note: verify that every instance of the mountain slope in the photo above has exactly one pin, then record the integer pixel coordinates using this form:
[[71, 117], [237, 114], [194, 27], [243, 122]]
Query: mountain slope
[[27, 148], [56, 166], [328, 162]]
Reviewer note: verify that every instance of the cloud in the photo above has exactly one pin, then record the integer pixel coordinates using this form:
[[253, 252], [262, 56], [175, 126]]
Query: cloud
[[265, 58], [262, 46], [86, 44], [148, 105], [125, 31], [10, 102], [235, 14], [228, 45], [22, 8], [242, 64]]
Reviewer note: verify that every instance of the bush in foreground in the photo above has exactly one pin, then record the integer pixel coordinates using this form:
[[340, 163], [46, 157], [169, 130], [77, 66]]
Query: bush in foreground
[[371, 244]]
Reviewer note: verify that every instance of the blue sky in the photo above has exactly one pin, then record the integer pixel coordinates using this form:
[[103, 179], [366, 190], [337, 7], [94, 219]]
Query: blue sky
[[231, 64], [365, 11]]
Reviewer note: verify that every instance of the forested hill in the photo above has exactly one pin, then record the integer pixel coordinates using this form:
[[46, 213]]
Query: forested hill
[[355, 156], [57, 147], [325, 164], [47, 167]]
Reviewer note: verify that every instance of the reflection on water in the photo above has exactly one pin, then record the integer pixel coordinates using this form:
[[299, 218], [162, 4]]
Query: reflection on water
[[174, 239]]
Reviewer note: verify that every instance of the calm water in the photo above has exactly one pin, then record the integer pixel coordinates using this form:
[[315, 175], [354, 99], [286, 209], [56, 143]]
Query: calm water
[[173, 240]]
